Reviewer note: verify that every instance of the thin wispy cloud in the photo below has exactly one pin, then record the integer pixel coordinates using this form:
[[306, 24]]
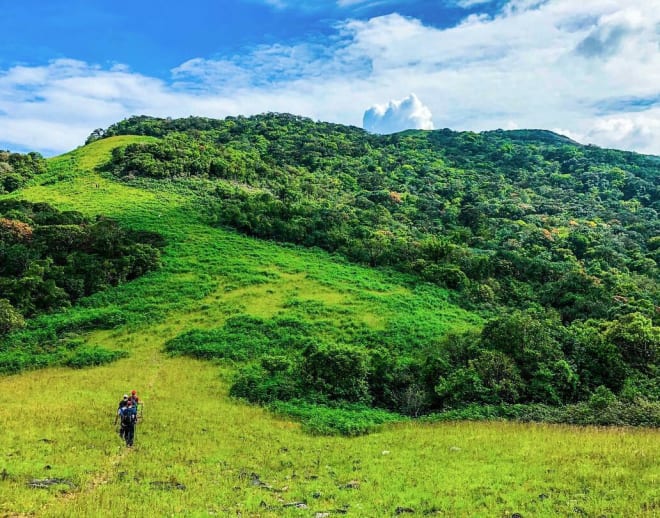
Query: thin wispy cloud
[[319, 5], [467, 4], [551, 64]]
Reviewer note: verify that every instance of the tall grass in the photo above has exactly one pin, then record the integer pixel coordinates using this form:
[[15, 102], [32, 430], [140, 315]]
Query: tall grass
[[232, 457]]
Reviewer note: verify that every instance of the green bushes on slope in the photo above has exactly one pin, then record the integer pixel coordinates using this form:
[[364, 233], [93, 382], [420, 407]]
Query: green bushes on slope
[[48, 261], [16, 169], [557, 241]]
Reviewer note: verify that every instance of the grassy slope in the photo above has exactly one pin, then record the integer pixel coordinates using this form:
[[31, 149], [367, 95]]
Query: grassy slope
[[194, 435]]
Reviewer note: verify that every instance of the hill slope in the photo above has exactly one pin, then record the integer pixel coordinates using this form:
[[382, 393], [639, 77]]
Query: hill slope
[[199, 453], [557, 240]]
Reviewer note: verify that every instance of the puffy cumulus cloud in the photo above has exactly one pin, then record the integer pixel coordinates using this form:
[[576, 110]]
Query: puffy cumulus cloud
[[408, 113], [591, 67]]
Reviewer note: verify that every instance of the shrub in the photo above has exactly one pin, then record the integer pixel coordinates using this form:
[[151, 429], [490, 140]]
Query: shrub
[[86, 320], [10, 318], [396, 383], [601, 398], [640, 386], [88, 356], [347, 420], [242, 338], [258, 384], [616, 413], [339, 372], [12, 362]]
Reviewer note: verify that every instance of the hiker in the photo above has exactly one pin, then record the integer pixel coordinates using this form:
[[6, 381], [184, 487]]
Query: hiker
[[128, 416], [135, 399], [122, 404]]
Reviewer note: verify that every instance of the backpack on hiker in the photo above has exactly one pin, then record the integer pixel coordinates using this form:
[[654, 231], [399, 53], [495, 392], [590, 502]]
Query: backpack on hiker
[[128, 416]]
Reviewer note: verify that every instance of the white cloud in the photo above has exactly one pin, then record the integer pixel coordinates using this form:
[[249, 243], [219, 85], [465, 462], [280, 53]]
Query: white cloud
[[467, 4], [408, 113], [611, 33], [634, 131], [52, 108], [591, 67]]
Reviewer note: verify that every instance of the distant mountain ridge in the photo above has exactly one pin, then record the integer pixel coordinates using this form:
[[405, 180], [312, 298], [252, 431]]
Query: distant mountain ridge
[[158, 127]]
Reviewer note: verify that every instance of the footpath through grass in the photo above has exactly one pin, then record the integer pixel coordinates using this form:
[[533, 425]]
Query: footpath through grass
[[198, 453]]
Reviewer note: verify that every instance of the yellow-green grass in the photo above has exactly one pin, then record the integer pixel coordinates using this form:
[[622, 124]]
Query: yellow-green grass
[[58, 423], [192, 434]]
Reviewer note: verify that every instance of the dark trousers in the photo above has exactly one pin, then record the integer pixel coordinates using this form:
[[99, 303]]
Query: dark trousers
[[129, 434]]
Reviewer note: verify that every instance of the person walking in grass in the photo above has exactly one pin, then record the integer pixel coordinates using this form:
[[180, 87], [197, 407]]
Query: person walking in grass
[[128, 417], [122, 404], [135, 399]]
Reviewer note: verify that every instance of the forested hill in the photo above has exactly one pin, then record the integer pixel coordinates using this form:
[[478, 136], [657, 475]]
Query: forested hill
[[556, 242], [514, 217]]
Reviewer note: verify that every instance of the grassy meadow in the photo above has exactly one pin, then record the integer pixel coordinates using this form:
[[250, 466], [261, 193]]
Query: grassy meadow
[[200, 453]]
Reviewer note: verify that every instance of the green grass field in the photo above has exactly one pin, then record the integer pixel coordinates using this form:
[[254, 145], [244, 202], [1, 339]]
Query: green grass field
[[199, 453]]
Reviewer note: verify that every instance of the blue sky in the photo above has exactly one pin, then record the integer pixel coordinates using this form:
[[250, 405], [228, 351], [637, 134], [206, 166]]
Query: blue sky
[[154, 36], [589, 69]]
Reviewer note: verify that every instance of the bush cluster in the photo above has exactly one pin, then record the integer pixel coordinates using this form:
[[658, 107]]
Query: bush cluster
[[92, 356], [16, 169], [50, 259], [527, 361]]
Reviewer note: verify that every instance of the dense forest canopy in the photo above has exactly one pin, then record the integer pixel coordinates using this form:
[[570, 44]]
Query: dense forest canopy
[[508, 217], [557, 241]]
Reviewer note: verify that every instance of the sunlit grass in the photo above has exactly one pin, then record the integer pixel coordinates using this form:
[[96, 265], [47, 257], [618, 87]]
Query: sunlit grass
[[193, 435]]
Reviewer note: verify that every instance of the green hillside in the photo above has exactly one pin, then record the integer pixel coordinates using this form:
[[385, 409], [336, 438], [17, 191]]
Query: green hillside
[[554, 241], [403, 285]]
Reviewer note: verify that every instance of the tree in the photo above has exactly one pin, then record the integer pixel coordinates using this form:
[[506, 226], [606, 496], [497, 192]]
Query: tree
[[637, 339], [10, 318], [498, 374], [526, 337], [95, 135], [339, 372]]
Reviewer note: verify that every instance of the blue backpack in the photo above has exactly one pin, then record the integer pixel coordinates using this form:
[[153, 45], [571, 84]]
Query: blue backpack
[[128, 415]]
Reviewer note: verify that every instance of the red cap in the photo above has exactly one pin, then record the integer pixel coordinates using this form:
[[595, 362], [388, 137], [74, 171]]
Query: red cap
[[133, 392]]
